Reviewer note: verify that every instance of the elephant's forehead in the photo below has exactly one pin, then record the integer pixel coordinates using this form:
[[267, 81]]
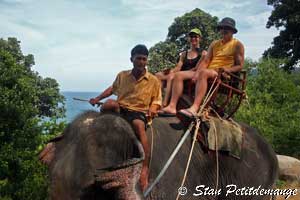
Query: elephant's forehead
[[88, 121]]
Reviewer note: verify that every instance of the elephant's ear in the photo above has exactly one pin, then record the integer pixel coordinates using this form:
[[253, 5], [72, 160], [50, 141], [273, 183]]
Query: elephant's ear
[[46, 156]]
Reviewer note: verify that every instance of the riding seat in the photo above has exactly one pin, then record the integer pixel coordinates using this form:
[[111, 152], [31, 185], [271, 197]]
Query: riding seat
[[228, 93]]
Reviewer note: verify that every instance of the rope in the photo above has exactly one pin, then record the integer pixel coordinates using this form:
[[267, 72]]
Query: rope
[[151, 151], [208, 96], [247, 100], [175, 151], [198, 122], [217, 114], [217, 157], [190, 156]]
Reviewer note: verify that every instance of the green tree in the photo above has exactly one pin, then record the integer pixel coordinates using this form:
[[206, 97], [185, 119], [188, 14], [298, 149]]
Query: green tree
[[274, 106], [25, 99], [286, 45], [165, 54]]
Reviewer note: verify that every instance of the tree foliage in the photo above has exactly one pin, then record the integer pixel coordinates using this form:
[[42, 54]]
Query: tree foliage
[[25, 99], [165, 54], [286, 17], [274, 106]]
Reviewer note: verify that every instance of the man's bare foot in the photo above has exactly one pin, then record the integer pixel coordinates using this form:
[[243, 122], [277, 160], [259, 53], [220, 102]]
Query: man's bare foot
[[189, 112]]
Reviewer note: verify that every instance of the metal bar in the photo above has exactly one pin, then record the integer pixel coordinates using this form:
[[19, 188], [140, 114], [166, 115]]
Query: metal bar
[[232, 88], [79, 99], [85, 100], [171, 158], [241, 97]]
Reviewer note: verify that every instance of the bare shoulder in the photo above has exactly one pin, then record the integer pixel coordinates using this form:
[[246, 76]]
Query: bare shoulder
[[213, 43], [209, 52], [239, 46], [182, 55]]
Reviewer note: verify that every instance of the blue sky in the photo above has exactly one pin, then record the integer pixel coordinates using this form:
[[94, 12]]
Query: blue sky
[[84, 44]]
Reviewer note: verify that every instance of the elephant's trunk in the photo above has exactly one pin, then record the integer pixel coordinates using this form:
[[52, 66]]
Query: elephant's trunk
[[122, 182]]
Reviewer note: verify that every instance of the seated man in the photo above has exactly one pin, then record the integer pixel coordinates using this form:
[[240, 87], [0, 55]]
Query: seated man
[[139, 97], [226, 53], [187, 61]]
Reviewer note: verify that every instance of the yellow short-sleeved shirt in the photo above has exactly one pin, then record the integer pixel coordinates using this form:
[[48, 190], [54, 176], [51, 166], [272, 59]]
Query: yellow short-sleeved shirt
[[137, 95]]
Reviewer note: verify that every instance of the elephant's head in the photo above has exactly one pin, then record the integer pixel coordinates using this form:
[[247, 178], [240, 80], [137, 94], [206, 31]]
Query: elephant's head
[[98, 157]]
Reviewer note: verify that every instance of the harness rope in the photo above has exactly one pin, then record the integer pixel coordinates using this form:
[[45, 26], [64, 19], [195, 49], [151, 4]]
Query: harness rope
[[198, 122], [148, 190], [152, 144], [217, 158], [190, 156]]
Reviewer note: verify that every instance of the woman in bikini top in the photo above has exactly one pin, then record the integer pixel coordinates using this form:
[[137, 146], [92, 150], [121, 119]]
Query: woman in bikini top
[[188, 61]]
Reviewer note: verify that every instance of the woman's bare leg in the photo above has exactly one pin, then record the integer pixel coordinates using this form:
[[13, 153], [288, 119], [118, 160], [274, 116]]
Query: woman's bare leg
[[177, 89], [168, 89], [201, 87]]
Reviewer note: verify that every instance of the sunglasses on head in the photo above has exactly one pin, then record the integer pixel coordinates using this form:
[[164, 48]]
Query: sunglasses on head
[[194, 36], [226, 28]]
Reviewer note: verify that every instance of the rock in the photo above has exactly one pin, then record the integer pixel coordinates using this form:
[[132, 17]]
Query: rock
[[289, 168]]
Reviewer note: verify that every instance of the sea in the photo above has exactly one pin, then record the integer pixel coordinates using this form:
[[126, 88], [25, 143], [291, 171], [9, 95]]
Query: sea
[[75, 107]]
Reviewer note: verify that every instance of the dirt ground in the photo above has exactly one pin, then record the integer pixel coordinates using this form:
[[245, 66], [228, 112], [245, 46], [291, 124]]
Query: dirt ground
[[290, 186]]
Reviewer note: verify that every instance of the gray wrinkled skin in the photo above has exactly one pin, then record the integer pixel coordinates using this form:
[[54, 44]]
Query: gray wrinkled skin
[[99, 157]]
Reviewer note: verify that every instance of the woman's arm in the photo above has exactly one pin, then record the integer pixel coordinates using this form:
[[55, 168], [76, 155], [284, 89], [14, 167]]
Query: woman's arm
[[178, 66], [203, 54]]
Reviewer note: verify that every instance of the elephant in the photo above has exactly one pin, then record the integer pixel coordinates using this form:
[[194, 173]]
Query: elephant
[[99, 157]]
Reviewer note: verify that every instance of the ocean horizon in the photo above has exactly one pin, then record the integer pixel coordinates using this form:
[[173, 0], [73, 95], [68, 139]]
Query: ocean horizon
[[74, 107]]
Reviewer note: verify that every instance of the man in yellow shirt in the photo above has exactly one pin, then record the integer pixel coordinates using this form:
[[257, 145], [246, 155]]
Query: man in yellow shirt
[[226, 53], [138, 97]]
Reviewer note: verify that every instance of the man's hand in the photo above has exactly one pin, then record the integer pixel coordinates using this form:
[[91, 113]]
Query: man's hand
[[152, 112], [195, 77], [94, 101], [203, 53], [225, 72]]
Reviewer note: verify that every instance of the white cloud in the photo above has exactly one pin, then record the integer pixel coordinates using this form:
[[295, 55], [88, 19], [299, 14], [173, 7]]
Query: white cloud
[[83, 44]]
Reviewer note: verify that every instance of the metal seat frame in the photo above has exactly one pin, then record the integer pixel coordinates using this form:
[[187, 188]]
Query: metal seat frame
[[231, 84]]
